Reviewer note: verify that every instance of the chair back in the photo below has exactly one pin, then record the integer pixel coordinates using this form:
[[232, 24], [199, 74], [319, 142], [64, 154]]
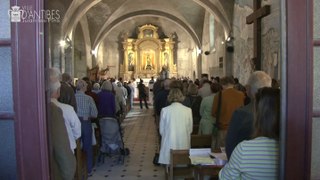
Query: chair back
[[180, 164], [201, 141]]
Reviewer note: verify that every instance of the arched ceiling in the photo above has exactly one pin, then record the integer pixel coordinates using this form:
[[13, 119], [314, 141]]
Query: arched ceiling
[[106, 15]]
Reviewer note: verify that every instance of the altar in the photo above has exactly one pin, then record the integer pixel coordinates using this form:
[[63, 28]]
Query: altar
[[147, 55]]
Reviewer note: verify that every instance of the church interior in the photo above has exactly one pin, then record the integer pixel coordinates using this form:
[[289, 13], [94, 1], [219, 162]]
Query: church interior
[[189, 39]]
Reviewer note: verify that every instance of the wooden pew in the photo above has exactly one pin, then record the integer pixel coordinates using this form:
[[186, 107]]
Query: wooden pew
[[201, 141], [180, 165], [81, 171]]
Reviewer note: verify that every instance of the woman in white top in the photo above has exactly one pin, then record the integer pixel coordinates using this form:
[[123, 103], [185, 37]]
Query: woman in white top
[[175, 126]]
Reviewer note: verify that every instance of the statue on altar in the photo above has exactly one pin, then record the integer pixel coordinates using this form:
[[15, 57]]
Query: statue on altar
[[164, 73], [148, 55], [148, 63]]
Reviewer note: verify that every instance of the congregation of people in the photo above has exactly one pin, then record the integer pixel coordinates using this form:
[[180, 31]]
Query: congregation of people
[[82, 109], [243, 119]]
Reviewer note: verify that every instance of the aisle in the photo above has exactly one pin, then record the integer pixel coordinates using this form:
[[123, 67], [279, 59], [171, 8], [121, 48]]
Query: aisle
[[141, 138]]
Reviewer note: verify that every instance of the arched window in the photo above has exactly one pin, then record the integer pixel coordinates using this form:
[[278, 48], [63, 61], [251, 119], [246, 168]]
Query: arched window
[[211, 31]]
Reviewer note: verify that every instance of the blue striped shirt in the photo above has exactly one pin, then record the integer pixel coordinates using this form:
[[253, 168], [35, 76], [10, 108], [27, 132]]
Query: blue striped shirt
[[254, 159], [86, 107]]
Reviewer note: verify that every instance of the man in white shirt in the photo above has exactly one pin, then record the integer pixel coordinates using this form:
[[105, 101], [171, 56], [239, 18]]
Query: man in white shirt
[[71, 120]]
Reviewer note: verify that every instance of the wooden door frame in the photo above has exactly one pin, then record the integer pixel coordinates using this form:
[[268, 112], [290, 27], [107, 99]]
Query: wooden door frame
[[297, 91], [29, 92], [29, 96]]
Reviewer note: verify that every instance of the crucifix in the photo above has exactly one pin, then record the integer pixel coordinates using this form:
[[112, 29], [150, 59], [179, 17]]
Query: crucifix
[[255, 18]]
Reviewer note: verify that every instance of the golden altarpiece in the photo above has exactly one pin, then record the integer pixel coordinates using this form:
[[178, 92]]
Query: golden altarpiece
[[147, 55]]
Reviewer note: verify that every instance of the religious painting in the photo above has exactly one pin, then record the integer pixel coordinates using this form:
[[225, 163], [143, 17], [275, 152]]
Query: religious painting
[[166, 59], [148, 33], [130, 62], [148, 61]]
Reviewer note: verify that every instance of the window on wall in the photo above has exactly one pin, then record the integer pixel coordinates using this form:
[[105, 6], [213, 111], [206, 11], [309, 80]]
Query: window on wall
[[211, 31]]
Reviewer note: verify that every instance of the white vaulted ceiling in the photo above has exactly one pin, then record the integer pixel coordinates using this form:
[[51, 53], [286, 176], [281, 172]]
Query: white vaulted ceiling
[[105, 16]]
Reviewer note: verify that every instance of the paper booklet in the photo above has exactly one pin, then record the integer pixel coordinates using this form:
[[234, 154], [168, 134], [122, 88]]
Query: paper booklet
[[201, 156]]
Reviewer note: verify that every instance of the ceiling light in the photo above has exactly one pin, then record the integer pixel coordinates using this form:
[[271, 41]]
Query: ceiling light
[[62, 43]]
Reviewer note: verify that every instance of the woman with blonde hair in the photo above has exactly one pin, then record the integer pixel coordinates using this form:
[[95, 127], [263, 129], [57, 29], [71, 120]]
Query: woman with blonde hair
[[175, 126]]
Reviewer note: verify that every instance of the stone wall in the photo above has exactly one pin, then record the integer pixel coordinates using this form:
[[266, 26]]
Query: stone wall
[[243, 40]]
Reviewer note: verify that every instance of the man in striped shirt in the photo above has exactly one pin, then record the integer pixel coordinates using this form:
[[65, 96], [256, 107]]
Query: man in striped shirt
[[86, 111]]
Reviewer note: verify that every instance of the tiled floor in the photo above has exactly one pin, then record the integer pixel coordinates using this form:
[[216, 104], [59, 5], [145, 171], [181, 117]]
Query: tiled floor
[[141, 139]]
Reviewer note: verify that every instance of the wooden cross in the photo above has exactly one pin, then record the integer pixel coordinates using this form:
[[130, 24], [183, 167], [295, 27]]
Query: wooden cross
[[255, 18]]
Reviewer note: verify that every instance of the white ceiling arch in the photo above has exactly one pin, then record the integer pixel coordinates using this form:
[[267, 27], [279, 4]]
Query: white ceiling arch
[[183, 14], [104, 32]]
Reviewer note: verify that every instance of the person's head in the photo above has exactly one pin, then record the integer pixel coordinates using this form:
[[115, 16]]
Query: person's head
[[66, 78], [175, 95], [166, 84], [54, 83], [107, 86], [227, 81], [257, 80], [275, 83], [81, 85], [267, 113], [89, 85], [192, 89], [204, 81], [236, 80], [176, 84], [54, 75], [217, 79], [96, 86], [215, 87]]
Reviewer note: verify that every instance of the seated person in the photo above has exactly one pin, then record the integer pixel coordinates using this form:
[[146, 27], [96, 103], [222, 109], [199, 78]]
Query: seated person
[[258, 158], [175, 126]]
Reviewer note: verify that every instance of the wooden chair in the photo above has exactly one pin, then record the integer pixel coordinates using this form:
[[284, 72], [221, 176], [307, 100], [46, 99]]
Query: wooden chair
[[180, 165], [201, 141]]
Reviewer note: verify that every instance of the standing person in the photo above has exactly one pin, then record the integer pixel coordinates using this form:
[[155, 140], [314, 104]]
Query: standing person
[[107, 105], [175, 126], [230, 100], [150, 86], [241, 124], [70, 117], [63, 162], [205, 88], [86, 111], [67, 91], [130, 85], [142, 94], [194, 102], [207, 120], [258, 158]]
